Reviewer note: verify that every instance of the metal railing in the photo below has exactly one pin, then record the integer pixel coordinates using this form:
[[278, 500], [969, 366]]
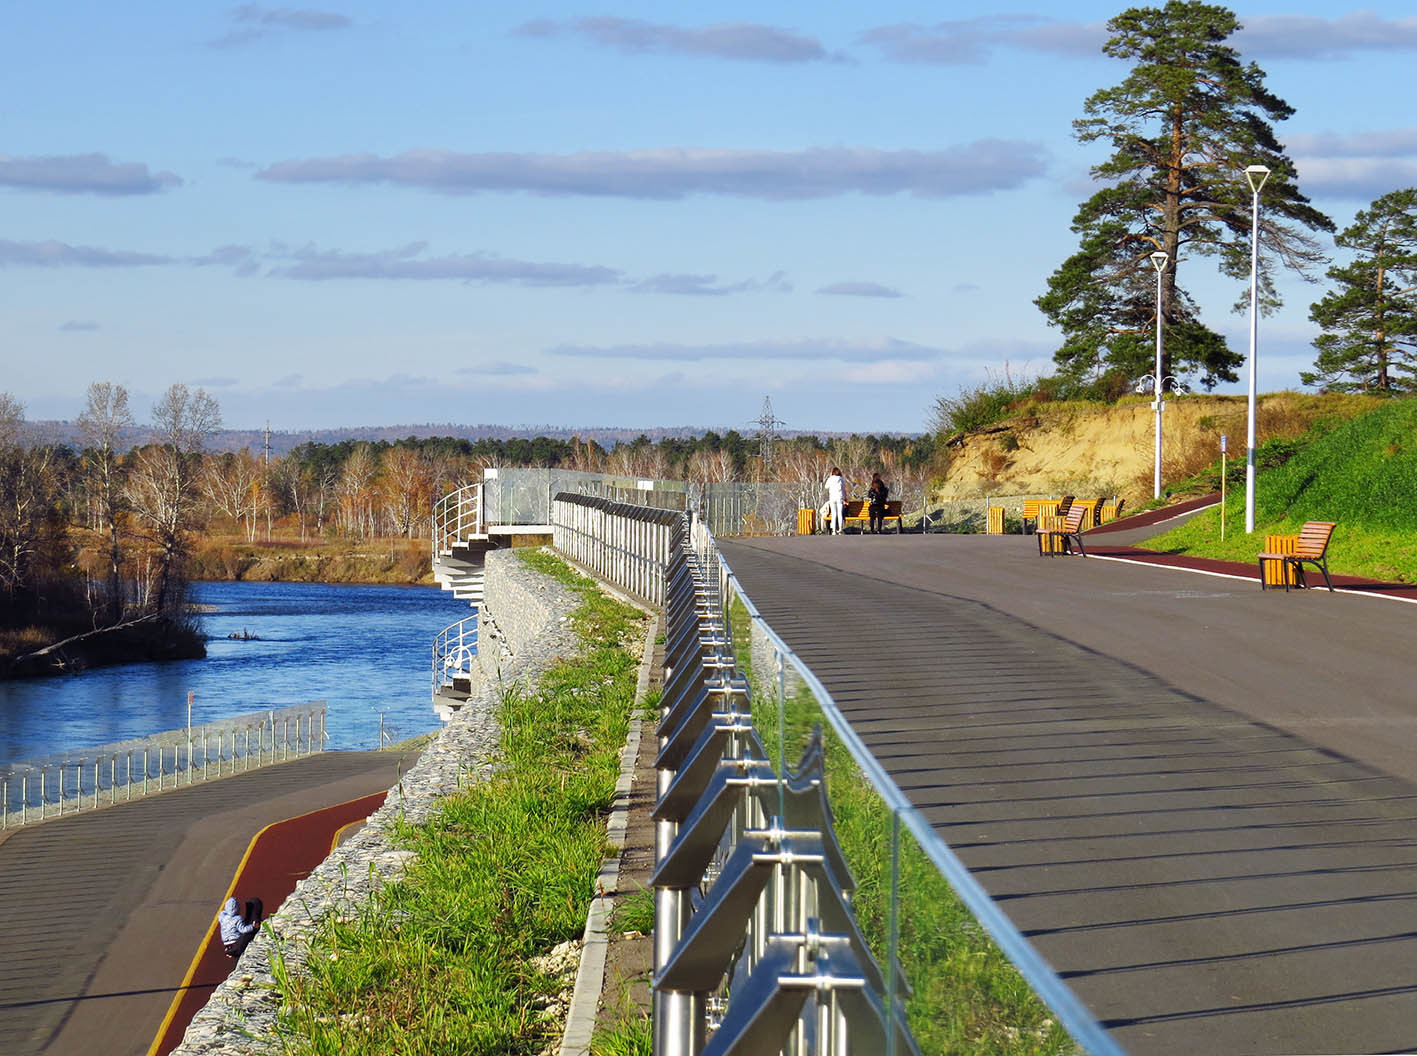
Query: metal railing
[[629, 546], [456, 516], [756, 946], [454, 653], [66, 783]]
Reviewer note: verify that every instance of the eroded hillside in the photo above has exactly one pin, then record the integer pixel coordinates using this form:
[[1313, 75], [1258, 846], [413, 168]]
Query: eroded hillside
[[1094, 449]]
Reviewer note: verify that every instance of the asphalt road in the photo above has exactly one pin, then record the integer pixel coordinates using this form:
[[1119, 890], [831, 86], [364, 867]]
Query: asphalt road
[[101, 912], [1197, 799]]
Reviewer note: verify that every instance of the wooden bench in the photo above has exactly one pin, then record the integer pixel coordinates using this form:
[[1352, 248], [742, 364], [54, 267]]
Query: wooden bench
[[858, 512], [1036, 509], [1057, 539], [1311, 547]]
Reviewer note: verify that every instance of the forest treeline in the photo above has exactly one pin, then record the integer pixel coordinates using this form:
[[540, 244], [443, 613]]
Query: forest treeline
[[93, 535]]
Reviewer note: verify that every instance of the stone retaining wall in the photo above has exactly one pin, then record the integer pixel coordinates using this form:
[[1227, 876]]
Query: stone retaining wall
[[524, 629]]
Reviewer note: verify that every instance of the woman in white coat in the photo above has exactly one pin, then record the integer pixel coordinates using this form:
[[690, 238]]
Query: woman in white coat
[[836, 499]]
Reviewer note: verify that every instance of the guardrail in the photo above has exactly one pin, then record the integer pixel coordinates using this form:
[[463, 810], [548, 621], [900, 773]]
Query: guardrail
[[454, 653], [64, 784], [629, 546], [456, 516], [757, 948]]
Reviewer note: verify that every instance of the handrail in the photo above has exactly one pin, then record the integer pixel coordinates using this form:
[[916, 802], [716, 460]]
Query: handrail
[[712, 768], [456, 516], [65, 783], [1071, 1012], [454, 653]]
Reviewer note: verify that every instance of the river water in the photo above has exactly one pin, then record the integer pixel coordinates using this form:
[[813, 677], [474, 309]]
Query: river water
[[366, 651]]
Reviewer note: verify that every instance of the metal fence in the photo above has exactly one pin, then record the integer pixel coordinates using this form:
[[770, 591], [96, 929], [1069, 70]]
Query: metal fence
[[524, 496], [629, 546], [69, 782], [761, 941]]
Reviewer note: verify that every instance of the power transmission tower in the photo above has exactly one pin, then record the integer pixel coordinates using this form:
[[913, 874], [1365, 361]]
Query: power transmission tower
[[768, 424]]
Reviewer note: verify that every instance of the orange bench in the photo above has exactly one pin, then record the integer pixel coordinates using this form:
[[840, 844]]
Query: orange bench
[[1057, 538], [1311, 547], [858, 512]]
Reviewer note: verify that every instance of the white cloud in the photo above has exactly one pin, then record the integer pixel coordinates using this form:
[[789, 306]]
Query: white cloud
[[501, 369], [408, 263], [859, 289], [676, 172], [875, 351], [709, 286], [255, 22], [972, 40], [82, 174], [52, 254], [1311, 37], [1361, 178], [733, 40], [1389, 143]]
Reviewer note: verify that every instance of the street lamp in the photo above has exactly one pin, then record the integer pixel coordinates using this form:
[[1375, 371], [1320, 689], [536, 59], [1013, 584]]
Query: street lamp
[[1158, 261], [1255, 175]]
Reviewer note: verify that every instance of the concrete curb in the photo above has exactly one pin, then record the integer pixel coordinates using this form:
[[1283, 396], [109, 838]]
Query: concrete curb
[[584, 1009]]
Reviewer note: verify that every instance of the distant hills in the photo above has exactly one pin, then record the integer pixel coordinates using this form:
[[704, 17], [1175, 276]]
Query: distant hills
[[282, 441]]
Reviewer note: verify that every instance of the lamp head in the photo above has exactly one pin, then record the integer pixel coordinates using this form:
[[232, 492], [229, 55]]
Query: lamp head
[[1159, 259], [1255, 175]]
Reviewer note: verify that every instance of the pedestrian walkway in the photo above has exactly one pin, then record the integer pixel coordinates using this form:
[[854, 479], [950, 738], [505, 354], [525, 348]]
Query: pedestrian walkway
[[102, 911], [1194, 797]]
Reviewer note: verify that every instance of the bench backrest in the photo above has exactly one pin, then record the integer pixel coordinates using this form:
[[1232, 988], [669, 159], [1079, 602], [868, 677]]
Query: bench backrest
[[1313, 538], [1065, 505], [1072, 523]]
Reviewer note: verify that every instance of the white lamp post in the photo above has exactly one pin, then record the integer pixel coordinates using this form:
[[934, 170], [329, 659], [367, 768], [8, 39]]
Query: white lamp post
[[1158, 261], [1255, 175]]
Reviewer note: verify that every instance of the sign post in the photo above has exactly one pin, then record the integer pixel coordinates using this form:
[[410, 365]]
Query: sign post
[[1223, 444]]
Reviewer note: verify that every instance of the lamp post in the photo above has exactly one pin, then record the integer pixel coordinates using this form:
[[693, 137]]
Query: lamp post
[[1255, 175], [1158, 261]]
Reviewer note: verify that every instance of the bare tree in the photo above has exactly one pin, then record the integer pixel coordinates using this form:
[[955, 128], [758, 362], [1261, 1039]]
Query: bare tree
[[405, 489], [232, 484], [101, 424], [163, 485], [28, 491], [355, 491]]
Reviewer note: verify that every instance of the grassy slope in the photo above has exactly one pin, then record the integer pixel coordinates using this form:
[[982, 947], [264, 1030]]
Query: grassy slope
[[442, 961], [1361, 473]]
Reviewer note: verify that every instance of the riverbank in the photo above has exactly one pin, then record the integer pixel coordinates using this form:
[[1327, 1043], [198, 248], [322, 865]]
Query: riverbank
[[38, 652], [387, 561]]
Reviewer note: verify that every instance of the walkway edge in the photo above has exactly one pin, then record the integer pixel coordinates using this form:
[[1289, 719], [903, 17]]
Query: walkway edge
[[584, 1010]]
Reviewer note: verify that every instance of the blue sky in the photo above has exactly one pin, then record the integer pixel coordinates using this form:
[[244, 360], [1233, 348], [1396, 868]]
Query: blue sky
[[625, 214]]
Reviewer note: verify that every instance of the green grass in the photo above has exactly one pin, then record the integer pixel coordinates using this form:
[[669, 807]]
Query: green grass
[[1361, 473], [441, 961], [967, 997]]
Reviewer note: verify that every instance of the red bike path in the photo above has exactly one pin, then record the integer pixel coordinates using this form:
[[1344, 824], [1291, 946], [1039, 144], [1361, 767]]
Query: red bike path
[[103, 910], [280, 856]]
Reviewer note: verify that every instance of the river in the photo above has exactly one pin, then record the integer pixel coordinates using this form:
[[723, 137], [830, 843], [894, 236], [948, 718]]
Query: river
[[364, 650]]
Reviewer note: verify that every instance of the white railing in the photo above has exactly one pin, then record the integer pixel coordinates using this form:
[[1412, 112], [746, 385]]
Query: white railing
[[630, 546], [454, 653], [69, 782], [456, 517]]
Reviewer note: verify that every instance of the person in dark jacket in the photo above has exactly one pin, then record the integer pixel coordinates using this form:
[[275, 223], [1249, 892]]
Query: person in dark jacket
[[876, 503], [239, 927]]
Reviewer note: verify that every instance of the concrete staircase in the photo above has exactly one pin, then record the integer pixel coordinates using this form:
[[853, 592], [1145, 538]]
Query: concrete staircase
[[459, 569]]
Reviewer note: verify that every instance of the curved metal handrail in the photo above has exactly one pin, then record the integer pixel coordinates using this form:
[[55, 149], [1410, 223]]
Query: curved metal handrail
[[456, 516], [454, 653]]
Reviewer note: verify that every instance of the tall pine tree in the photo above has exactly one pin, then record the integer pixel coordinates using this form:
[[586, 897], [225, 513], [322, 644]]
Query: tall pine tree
[[1369, 339], [1183, 125]]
